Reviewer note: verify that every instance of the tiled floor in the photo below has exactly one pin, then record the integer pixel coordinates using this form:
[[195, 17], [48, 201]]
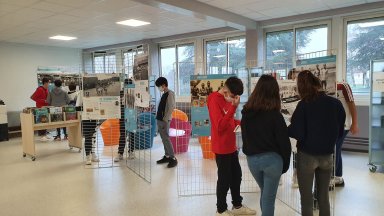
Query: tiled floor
[[57, 183]]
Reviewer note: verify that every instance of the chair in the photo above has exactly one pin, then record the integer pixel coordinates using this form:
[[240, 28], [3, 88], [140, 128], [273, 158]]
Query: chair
[[110, 131], [178, 114], [180, 134], [206, 147], [146, 126]]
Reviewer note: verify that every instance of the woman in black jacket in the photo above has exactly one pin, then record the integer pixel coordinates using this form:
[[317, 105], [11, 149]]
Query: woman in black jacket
[[316, 124], [265, 140]]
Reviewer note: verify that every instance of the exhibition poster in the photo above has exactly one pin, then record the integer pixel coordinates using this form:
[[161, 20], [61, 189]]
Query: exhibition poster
[[140, 67], [101, 96], [142, 96], [201, 87], [66, 78], [289, 97], [97, 85], [98, 108], [377, 76], [322, 67], [129, 111]]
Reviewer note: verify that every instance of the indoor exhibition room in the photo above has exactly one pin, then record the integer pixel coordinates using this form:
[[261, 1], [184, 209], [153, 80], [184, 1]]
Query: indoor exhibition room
[[192, 107]]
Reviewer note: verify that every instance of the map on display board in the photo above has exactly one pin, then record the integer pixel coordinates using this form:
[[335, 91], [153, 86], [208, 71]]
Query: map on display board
[[201, 87], [101, 96]]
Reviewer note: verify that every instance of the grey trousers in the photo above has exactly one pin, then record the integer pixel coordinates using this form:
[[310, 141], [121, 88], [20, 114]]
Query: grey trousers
[[320, 167], [163, 128]]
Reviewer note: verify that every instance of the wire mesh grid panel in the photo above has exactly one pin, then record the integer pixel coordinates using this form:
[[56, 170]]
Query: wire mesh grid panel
[[197, 170], [140, 126], [102, 110]]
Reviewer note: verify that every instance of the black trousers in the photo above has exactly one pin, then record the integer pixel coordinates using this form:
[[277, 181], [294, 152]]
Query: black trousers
[[229, 177], [89, 131], [58, 130]]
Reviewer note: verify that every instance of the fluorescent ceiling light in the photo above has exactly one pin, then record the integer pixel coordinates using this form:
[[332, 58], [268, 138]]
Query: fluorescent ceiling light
[[219, 56], [382, 38], [133, 23], [61, 37], [278, 51], [371, 24]]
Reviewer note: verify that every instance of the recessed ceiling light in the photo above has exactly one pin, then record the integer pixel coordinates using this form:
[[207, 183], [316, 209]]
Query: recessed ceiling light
[[133, 23], [219, 56], [61, 37], [371, 24], [278, 51]]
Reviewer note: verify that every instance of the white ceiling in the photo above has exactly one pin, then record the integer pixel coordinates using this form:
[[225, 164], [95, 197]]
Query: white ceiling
[[93, 21], [268, 9]]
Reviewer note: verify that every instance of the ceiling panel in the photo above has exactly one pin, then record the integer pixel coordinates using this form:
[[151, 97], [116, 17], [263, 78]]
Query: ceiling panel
[[93, 22], [52, 7], [20, 2]]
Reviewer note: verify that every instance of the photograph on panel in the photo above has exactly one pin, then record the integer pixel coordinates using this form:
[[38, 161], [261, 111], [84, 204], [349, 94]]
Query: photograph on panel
[[140, 67], [101, 85]]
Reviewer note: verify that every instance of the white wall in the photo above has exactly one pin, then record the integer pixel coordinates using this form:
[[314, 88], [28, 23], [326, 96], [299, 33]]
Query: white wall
[[18, 66]]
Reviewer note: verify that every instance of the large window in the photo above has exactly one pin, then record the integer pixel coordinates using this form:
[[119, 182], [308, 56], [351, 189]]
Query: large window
[[168, 67], [283, 46], [225, 56], [365, 42], [186, 67], [279, 51], [312, 39], [104, 63], [178, 64]]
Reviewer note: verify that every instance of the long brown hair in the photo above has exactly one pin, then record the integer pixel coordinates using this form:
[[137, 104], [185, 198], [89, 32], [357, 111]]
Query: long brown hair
[[265, 96], [308, 85]]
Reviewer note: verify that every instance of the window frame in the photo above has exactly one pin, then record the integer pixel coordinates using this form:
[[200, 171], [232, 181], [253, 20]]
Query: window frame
[[104, 55], [361, 97], [293, 28], [219, 38], [176, 45]]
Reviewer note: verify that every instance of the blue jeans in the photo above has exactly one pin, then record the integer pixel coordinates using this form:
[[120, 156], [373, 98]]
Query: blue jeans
[[266, 168], [339, 160]]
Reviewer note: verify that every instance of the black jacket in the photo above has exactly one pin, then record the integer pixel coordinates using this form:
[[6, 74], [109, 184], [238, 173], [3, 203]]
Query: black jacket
[[316, 125], [265, 131]]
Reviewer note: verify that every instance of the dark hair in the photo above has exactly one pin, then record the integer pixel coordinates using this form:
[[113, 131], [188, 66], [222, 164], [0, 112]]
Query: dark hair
[[235, 85], [290, 74], [161, 81], [308, 85], [72, 86], [265, 96], [58, 83], [45, 80]]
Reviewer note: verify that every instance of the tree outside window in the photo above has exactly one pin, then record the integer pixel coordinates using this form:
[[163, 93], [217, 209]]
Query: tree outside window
[[365, 42]]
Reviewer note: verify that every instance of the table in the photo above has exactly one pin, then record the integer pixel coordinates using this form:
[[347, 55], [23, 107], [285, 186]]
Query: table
[[28, 127]]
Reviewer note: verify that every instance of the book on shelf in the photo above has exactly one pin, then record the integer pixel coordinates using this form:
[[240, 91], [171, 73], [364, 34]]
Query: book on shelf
[[29, 110], [41, 115], [56, 114], [70, 113]]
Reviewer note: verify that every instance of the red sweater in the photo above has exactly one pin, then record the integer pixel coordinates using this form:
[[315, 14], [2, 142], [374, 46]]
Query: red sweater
[[40, 97], [221, 114]]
